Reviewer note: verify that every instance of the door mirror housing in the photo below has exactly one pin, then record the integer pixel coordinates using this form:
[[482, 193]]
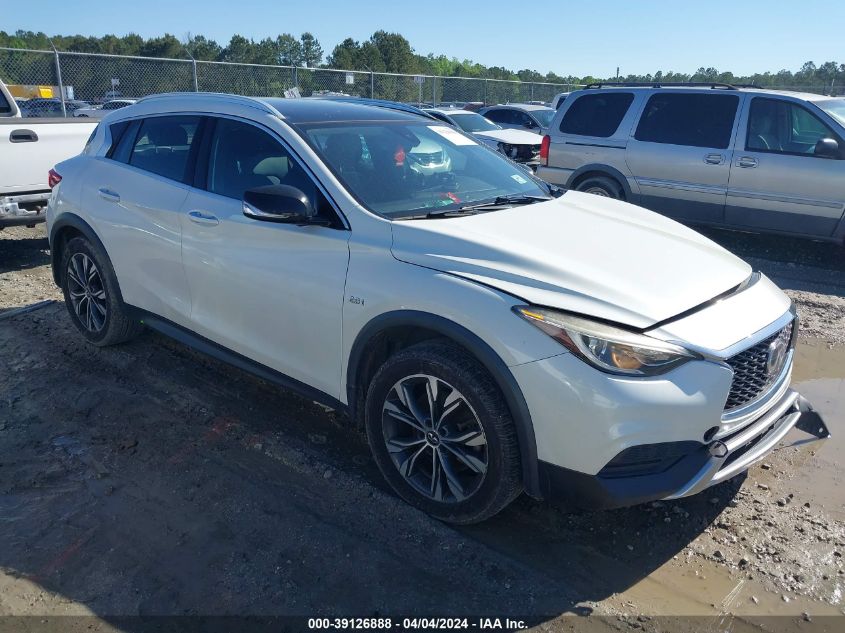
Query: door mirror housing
[[279, 203], [827, 148]]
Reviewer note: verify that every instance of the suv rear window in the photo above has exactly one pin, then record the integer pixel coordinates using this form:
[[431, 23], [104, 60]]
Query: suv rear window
[[697, 120], [596, 114]]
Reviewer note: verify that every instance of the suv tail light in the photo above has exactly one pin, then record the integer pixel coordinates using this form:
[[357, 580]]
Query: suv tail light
[[544, 149], [53, 178]]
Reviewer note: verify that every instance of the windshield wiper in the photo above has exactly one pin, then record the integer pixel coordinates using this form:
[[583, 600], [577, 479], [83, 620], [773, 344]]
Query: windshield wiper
[[444, 213], [503, 202], [500, 202]]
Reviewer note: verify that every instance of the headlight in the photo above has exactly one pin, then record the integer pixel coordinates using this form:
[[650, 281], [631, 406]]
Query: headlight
[[605, 347]]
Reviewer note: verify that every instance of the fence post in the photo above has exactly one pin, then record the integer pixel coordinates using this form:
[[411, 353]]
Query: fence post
[[532, 91], [194, 73], [59, 79], [295, 76], [485, 92], [434, 91], [372, 85]]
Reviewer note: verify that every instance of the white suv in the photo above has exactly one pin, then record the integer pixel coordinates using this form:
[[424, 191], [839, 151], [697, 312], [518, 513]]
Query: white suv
[[492, 334]]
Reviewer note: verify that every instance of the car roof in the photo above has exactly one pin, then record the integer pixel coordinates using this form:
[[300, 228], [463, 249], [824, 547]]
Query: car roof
[[318, 110], [301, 110], [520, 106], [718, 88], [448, 111]]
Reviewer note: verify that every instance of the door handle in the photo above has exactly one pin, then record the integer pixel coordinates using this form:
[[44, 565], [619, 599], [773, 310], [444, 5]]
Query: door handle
[[108, 194], [201, 217], [714, 159], [747, 161], [23, 136]]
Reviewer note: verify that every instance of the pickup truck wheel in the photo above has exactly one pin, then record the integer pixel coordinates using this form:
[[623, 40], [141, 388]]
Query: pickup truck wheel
[[92, 296], [441, 433], [601, 186]]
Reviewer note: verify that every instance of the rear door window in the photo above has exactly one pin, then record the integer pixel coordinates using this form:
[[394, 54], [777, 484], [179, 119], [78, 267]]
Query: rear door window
[[596, 114], [162, 145], [695, 120], [501, 116]]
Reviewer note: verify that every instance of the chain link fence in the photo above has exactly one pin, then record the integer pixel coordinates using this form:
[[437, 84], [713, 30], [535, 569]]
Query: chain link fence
[[97, 77]]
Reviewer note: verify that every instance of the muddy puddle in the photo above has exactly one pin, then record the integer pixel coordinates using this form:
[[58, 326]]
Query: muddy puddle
[[818, 473]]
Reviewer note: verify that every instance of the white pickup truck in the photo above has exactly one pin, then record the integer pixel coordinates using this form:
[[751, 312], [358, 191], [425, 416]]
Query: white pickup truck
[[29, 147]]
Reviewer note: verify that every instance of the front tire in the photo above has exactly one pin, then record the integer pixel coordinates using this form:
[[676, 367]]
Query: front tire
[[442, 435], [92, 295]]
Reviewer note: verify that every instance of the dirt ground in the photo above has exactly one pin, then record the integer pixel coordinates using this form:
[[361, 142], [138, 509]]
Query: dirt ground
[[147, 479]]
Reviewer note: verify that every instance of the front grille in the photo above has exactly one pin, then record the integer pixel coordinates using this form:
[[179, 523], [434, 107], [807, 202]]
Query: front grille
[[755, 370]]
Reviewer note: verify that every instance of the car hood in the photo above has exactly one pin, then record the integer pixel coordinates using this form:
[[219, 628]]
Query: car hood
[[582, 253], [511, 137]]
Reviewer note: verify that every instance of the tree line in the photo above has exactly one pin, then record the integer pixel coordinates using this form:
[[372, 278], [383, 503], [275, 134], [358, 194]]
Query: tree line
[[388, 52]]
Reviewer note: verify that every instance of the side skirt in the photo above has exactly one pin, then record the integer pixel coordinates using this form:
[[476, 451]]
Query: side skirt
[[210, 348]]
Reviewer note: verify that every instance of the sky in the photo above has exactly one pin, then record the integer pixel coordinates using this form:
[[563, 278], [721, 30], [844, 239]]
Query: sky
[[590, 37]]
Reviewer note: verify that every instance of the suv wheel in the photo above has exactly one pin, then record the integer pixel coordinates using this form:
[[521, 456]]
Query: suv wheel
[[601, 186], [92, 296], [441, 433]]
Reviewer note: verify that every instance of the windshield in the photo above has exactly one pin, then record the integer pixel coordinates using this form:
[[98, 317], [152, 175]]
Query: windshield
[[835, 108], [473, 122], [544, 116], [400, 169]]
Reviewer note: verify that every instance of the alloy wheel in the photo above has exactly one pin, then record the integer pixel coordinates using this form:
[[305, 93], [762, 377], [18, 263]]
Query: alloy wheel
[[87, 292], [434, 438], [597, 191]]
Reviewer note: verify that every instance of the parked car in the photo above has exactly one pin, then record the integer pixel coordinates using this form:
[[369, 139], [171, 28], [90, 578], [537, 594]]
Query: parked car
[[559, 100], [744, 158], [520, 116], [28, 150], [461, 317], [521, 146], [98, 112]]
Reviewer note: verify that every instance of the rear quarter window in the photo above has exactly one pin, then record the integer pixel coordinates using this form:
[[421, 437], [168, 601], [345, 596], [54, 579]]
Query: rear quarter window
[[696, 120], [596, 114], [5, 106]]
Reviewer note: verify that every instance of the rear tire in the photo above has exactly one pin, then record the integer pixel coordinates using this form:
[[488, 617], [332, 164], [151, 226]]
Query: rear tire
[[92, 295], [601, 186], [441, 433]]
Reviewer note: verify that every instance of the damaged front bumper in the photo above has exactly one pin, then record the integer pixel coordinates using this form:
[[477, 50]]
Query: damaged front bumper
[[736, 453], [698, 467]]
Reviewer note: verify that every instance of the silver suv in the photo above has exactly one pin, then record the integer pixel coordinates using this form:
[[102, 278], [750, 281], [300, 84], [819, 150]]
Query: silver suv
[[719, 154]]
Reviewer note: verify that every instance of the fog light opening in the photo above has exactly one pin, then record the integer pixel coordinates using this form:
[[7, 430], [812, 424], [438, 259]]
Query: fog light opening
[[718, 449], [709, 434]]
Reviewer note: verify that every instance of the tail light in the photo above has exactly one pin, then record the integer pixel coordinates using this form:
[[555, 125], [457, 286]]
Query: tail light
[[53, 178], [544, 149]]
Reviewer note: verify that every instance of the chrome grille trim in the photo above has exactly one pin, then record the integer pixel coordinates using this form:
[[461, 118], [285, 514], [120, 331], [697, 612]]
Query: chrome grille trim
[[752, 380]]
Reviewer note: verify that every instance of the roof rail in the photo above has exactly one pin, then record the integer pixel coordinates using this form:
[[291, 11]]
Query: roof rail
[[663, 84], [255, 102]]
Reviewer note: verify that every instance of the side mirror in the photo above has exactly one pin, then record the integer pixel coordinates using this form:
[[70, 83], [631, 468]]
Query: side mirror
[[827, 148], [279, 203]]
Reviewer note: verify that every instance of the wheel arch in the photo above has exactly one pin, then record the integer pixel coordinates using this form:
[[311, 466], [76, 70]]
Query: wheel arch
[[392, 331], [600, 169], [64, 229]]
